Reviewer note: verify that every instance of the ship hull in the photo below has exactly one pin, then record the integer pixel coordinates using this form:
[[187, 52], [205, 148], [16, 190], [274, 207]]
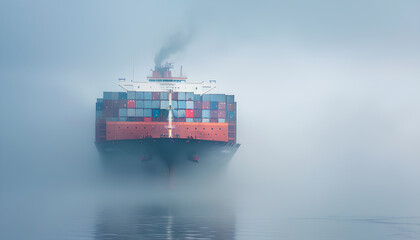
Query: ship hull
[[156, 157]]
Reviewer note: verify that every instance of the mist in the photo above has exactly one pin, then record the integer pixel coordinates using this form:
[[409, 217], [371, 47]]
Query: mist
[[327, 92]]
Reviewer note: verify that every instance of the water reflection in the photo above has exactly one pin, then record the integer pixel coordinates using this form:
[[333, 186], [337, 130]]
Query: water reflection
[[165, 221]]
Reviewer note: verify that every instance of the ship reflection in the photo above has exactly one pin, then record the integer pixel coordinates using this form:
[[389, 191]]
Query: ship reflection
[[165, 222]]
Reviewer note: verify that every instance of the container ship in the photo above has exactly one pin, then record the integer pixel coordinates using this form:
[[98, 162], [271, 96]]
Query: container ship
[[167, 123]]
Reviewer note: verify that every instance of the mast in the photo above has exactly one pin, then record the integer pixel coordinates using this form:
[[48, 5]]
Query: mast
[[170, 114]]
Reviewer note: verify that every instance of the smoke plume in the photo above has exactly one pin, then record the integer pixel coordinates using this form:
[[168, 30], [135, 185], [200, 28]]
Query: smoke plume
[[175, 43]]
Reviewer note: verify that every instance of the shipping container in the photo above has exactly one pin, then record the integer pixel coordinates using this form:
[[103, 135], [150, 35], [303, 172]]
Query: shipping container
[[181, 113], [99, 106], [214, 120], [147, 104], [198, 113], [189, 105], [181, 96], [175, 113], [206, 120], [111, 119], [163, 96], [231, 107], [112, 112], [197, 119], [214, 105], [174, 104], [205, 104], [221, 114], [221, 120], [147, 113], [155, 95], [114, 96], [122, 119], [189, 113], [181, 104], [122, 96], [214, 97], [222, 106], [231, 115], [155, 103], [156, 113], [99, 114], [189, 96], [164, 104], [122, 112], [147, 119], [174, 96], [140, 95], [206, 114], [189, 119], [139, 104], [131, 103], [101, 100], [147, 95], [131, 112], [164, 114], [107, 95], [138, 119], [197, 104], [221, 97], [197, 98], [139, 113], [214, 113], [206, 97], [131, 95], [179, 119], [131, 119], [230, 98]]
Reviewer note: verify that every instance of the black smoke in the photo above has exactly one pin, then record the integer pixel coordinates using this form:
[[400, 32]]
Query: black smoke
[[175, 43]]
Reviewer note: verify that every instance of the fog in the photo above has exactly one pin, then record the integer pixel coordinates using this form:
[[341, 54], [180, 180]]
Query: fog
[[327, 92]]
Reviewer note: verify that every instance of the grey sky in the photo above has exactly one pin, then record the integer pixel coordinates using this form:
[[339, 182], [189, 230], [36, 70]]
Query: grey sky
[[327, 90]]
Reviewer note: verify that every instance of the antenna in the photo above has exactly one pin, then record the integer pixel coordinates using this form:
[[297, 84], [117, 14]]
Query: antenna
[[180, 74], [133, 69]]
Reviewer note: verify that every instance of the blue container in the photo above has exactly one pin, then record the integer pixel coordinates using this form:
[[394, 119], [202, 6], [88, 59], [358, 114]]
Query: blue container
[[214, 105], [206, 113], [131, 119], [99, 114], [181, 96], [206, 120], [108, 95], [181, 104], [189, 120], [230, 98], [147, 112], [197, 119], [99, 106], [163, 96], [214, 97], [114, 96], [131, 95], [147, 104], [122, 112], [100, 100], [231, 115], [175, 113], [181, 113], [139, 104], [155, 104], [189, 105], [139, 113], [123, 119], [147, 95], [207, 97], [197, 97], [139, 95], [131, 112], [189, 96], [175, 104], [164, 104], [111, 119], [122, 96], [156, 113], [221, 97], [222, 120]]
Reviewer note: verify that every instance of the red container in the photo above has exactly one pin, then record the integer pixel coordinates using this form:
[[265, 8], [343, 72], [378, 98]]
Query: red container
[[155, 95], [131, 103], [205, 104], [231, 107], [147, 119], [214, 113], [189, 113], [222, 105], [175, 96], [214, 120], [221, 114], [197, 105]]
